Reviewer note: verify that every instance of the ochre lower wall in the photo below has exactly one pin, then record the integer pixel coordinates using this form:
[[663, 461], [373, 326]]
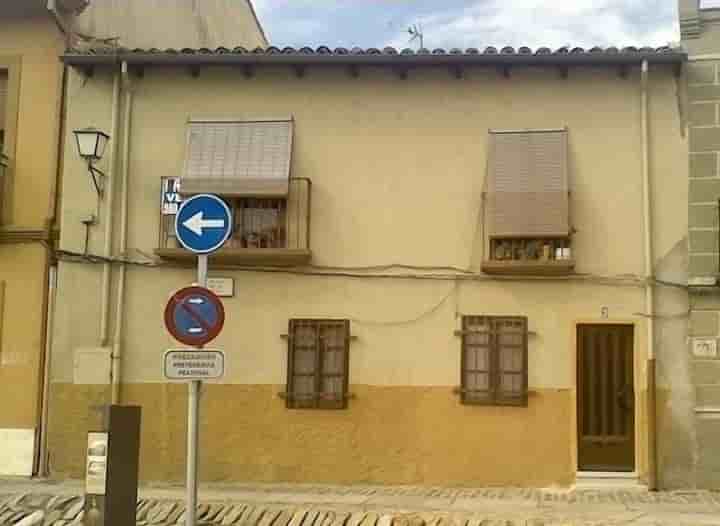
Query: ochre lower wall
[[389, 435], [22, 269]]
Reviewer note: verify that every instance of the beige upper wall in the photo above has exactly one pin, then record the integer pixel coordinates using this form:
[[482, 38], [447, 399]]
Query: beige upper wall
[[392, 161], [398, 169], [177, 24]]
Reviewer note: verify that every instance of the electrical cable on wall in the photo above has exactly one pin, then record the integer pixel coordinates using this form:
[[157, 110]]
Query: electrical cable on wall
[[459, 275], [676, 316], [429, 312]]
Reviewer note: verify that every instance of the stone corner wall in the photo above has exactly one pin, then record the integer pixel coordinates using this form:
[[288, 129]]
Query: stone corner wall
[[701, 37]]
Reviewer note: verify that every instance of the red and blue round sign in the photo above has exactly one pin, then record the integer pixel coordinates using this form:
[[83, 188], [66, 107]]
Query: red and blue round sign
[[194, 316]]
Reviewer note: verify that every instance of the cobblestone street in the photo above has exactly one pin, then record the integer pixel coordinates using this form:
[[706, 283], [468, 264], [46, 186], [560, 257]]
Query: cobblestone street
[[36, 503]]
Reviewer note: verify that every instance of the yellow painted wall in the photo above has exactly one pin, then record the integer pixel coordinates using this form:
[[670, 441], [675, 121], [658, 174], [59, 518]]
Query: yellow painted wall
[[35, 44], [22, 268], [397, 169], [392, 435]]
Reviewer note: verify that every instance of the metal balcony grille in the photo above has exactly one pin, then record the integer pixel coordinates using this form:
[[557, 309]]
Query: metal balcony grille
[[259, 223]]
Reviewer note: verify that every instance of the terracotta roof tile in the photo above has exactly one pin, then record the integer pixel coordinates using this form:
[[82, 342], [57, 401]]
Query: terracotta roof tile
[[325, 50], [524, 54]]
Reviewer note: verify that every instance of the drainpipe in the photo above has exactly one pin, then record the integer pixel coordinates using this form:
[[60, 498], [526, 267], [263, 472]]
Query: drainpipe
[[649, 290], [109, 207], [49, 302], [119, 309]]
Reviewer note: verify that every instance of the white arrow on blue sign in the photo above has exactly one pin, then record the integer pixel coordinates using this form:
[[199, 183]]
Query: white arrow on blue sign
[[203, 223]]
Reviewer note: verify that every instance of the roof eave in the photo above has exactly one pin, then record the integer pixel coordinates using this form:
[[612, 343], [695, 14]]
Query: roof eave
[[230, 59]]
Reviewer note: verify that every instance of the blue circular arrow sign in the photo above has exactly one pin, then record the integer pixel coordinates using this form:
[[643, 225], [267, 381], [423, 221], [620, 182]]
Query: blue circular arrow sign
[[203, 223]]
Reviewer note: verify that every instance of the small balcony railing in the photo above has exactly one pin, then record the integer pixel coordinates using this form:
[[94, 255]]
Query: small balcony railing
[[541, 256], [267, 231]]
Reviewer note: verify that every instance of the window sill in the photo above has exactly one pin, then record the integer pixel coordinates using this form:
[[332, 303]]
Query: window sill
[[563, 267], [283, 257]]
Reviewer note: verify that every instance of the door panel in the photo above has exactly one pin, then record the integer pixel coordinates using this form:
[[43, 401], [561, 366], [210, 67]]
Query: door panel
[[605, 398]]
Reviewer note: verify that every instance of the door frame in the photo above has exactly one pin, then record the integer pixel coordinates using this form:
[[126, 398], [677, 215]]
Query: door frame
[[639, 368]]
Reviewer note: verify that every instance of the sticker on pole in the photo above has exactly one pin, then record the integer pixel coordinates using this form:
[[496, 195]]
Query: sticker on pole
[[180, 364], [194, 316], [203, 223]]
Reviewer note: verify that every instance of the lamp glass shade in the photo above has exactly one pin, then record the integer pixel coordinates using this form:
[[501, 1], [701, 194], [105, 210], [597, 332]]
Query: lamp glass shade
[[91, 143]]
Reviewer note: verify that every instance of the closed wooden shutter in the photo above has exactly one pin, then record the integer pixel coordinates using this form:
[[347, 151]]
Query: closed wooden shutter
[[527, 186], [511, 348], [333, 376], [605, 397], [606, 369], [3, 103], [250, 159], [494, 363], [476, 360], [303, 361], [318, 364]]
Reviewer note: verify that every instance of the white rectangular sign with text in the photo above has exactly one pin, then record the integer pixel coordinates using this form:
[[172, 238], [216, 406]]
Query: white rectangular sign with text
[[96, 465], [184, 364], [705, 347], [223, 287]]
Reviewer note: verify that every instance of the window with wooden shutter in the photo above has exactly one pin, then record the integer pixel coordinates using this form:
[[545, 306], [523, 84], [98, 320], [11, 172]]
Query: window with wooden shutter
[[4, 160], [318, 352], [3, 106], [494, 362], [528, 204], [238, 158]]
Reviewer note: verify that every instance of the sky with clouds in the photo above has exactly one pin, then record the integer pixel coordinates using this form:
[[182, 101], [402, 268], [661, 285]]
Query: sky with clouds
[[469, 23]]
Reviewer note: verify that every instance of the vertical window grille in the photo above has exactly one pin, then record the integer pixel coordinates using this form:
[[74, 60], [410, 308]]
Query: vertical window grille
[[260, 223], [318, 352]]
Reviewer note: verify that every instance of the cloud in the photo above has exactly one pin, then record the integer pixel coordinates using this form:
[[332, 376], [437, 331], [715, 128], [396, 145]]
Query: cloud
[[540, 23], [470, 23]]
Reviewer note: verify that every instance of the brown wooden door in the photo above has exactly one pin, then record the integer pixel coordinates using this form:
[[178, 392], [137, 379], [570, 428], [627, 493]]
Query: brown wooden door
[[605, 398]]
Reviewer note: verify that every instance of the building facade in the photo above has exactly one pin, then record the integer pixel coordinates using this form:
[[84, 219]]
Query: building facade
[[450, 268], [31, 79], [33, 35]]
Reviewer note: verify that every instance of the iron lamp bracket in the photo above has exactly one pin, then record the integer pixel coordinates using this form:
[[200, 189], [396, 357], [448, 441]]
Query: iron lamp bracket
[[98, 178]]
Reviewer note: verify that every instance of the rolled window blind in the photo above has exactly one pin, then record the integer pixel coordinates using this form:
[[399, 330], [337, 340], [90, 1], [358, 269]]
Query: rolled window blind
[[528, 184], [238, 158]]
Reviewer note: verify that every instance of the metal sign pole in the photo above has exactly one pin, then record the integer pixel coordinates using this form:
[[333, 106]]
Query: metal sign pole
[[194, 420], [203, 224]]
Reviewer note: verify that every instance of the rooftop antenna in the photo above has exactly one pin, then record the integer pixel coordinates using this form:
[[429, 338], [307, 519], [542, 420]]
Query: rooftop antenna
[[416, 32]]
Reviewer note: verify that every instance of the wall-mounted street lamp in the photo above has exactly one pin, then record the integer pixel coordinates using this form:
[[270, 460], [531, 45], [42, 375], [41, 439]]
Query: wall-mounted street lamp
[[91, 145]]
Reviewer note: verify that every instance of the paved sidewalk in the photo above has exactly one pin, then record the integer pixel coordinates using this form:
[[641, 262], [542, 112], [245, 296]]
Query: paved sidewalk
[[39, 502]]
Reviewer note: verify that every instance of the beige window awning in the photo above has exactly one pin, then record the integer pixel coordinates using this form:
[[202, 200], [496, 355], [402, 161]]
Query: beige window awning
[[527, 184], [238, 158]]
